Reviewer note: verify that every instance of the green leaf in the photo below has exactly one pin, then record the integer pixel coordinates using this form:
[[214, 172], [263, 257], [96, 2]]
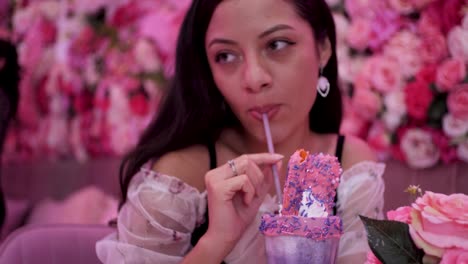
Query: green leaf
[[391, 242]]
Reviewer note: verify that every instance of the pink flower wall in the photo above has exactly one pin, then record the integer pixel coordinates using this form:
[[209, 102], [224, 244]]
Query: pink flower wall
[[92, 75], [94, 71], [403, 70]]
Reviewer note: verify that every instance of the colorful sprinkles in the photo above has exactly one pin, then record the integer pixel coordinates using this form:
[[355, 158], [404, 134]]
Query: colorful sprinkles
[[310, 227], [308, 199], [317, 175]]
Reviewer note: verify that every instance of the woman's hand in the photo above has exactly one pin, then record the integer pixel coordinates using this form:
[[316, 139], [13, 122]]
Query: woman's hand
[[234, 200]]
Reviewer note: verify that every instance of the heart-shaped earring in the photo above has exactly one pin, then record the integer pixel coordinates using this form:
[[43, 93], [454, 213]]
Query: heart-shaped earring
[[323, 85]]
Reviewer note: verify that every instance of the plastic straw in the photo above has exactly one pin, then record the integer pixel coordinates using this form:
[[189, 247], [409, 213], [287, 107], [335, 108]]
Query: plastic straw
[[266, 126]]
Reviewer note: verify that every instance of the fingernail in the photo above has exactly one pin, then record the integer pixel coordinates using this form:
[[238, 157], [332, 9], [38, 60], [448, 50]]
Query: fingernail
[[278, 156]]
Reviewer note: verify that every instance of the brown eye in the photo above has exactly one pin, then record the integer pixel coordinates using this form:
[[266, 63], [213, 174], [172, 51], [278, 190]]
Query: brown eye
[[224, 57], [279, 44]]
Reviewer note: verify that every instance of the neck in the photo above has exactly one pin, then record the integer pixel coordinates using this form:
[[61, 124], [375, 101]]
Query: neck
[[302, 138]]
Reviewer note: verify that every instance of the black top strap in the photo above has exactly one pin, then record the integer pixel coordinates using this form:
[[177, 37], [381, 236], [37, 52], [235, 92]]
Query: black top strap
[[338, 154], [339, 147], [212, 152], [201, 230]]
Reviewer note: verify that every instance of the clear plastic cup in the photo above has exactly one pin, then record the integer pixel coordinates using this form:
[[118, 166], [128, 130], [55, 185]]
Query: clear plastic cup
[[300, 240], [300, 250]]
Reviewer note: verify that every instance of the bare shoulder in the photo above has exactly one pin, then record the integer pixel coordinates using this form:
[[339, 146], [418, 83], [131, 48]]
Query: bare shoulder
[[189, 165], [356, 150]]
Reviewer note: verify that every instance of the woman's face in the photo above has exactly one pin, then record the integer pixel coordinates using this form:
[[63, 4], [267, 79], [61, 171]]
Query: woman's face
[[264, 59]]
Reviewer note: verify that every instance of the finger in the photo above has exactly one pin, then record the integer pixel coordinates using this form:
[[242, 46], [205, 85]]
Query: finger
[[240, 164], [268, 169], [237, 184], [265, 158], [255, 175], [268, 177]]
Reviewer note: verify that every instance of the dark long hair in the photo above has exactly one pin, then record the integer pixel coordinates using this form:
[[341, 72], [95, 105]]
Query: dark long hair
[[9, 96], [192, 111]]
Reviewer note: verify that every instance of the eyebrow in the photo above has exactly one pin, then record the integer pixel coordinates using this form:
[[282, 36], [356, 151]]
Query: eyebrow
[[262, 35]]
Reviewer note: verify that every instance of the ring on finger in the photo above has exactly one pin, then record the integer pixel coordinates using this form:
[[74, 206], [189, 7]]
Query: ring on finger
[[232, 165]]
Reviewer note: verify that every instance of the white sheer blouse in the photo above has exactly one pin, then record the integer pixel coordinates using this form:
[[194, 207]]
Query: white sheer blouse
[[156, 222]]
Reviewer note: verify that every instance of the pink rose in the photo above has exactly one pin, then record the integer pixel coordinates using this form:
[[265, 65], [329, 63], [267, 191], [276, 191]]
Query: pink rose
[[379, 139], [127, 14], [456, 40], [353, 124], [384, 25], [427, 74], [119, 63], [162, 26], [349, 66], [359, 34], [450, 14], [401, 214], [430, 22], [372, 259], [418, 98], [404, 48], [440, 222], [362, 8], [449, 74], [86, 42], [419, 150], [366, 103], [47, 29], [139, 105], [455, 256], [457, 102], [454, 127], [386, 76], [448, 152], [433, 48], [402, 6], [362, 80], [83, 102], [421, 3]]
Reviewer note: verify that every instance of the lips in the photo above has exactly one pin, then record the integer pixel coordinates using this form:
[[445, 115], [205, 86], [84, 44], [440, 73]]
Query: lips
[[270, 110]]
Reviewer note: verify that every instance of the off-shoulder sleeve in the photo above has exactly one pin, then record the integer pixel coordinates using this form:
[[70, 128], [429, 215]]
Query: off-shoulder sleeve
[[361, 192], [156, 222]]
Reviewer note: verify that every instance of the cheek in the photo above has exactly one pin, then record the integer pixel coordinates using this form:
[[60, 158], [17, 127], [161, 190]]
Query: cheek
[[300, 87], [230, 91]]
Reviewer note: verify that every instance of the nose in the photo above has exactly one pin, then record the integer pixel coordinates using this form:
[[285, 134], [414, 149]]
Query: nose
[[256, 74]]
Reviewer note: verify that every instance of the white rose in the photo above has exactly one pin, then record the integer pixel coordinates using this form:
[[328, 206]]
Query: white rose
[[91, 74], [145, 55], [465, 22], [456, 41], [454, 127], [392, 119], [395, 101], [333, 3], [462, 151], [418, 148], [342, 26]]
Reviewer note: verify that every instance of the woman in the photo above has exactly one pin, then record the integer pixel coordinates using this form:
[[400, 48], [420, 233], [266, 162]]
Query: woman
[[194, 168]]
